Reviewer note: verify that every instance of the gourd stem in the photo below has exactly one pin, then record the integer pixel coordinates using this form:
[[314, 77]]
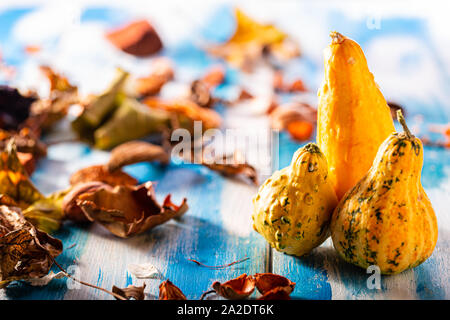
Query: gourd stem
[[402, 121], [336, 37]]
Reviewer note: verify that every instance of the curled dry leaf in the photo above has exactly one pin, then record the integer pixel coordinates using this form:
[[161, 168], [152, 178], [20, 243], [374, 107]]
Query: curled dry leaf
[[29, 148], [138, 38], [232, 166], [97, 108], [69, 203], [169, 291], [102, 174], [137, 293], [47, 111], [25, 252], [187, 112], [152, 84], [236, 289], [129, 210], [296, 111], [25, 140], [14, 181], [273, 286], [134, 152]]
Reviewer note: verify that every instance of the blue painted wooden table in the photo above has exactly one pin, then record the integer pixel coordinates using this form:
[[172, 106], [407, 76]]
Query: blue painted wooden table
[[408, 63]]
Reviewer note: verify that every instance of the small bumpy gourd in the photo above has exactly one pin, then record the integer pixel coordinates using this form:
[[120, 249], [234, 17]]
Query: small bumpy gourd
[[353, 118], [292, 209], [386, 219]]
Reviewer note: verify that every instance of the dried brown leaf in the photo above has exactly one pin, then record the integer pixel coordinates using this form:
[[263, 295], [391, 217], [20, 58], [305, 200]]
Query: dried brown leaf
[[152, 84], [25, 252], [232, 166], [69, 204], [137, 293], [102, 174], [265, 282], [236, 289], [129, 210], [138, 38], [168, 291], [201, 94], [296, 111], [47, 111], [187, 112], [14, 180], [135, 152]]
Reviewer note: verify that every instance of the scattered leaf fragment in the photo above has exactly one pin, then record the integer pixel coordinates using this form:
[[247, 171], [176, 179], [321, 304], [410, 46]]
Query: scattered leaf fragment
[[300, 130], [236, 289], [201, 94], [45, 112], [102, 174], [138, 38], [232, 166], [279, 84], [187, 112], [168, 291], [134, 152], [144, 271], [289, 112], [152, 84], [137, 293], [129, 210]]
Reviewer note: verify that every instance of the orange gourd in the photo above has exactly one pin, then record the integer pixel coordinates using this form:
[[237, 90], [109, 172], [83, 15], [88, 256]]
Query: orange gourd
[[353, 116]]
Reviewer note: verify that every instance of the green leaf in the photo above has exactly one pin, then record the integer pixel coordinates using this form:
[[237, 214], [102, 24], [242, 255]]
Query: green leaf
[[46, 214]]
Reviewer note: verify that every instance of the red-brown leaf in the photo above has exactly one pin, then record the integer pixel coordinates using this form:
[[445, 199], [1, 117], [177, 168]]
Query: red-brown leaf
[[129, 210], [266, 282], [169, 291], [236, 289]]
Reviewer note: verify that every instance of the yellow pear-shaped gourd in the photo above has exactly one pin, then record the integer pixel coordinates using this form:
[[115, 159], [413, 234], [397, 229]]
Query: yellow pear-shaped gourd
[[386, 219], [292, 209], [353, 117]]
